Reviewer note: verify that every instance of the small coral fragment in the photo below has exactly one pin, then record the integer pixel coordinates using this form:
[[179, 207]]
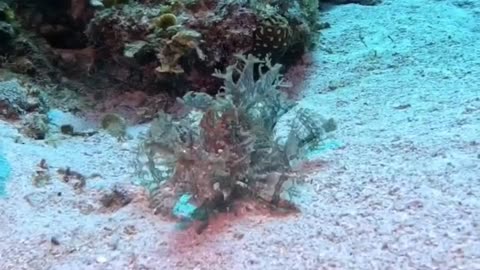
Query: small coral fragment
[[165, 20], [115, 125]]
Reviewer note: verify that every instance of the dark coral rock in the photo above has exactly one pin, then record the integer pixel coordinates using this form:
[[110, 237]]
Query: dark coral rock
[[112, 29], [225, 35], [116, 198], [16, 100], [13, 100], [35, 126], [7, 32]]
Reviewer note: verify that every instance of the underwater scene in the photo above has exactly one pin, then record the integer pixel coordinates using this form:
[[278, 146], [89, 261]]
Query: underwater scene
[[240, 134]]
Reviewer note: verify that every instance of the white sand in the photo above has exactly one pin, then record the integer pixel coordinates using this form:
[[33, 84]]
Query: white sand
[[402, 193]]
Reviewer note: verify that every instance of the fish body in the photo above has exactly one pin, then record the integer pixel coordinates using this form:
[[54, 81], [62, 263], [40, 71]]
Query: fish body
[[271, 37]]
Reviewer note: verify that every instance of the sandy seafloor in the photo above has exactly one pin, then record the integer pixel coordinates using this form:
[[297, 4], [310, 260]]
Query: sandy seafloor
[[402, 191]]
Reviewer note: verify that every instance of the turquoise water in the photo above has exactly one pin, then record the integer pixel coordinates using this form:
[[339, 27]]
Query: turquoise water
[[4, 173]]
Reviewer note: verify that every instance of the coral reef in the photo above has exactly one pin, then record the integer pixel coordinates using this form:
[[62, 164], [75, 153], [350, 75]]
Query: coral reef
[[152, 46], [35, 125], [174, 45], [16, 100], [7, 27]]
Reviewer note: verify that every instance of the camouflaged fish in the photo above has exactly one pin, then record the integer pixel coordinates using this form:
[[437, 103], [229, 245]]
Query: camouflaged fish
[[272, 37]]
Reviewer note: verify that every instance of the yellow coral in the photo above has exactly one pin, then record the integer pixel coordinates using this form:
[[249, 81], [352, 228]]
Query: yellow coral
[[165, 20], [10, 16]]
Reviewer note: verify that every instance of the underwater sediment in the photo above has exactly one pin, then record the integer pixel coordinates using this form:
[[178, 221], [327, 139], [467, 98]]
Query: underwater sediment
[[239, 134]]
